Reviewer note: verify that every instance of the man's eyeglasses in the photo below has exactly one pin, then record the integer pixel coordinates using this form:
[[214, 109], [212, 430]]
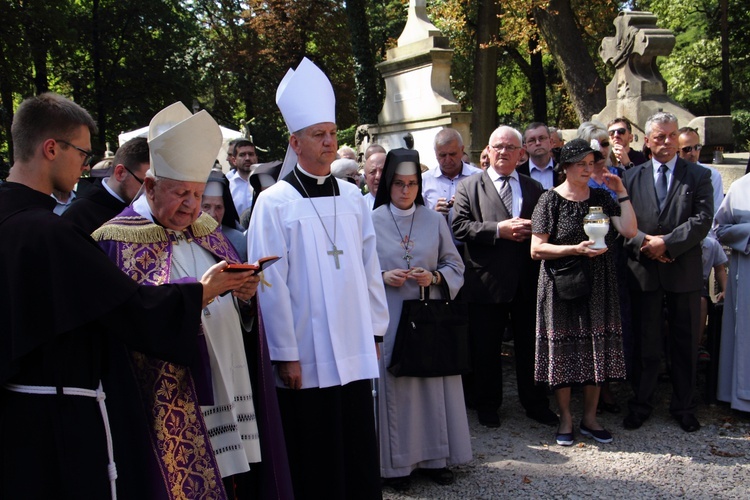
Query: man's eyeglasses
[[89, 155], [504, 147], [401, 185], [535, 140], [140, 181], [617, 131], [688, 149]]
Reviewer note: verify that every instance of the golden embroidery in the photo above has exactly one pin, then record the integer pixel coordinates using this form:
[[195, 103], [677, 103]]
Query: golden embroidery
[[179, 441]]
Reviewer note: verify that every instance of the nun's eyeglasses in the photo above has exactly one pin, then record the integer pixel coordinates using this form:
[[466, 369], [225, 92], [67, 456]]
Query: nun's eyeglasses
[[401, 184]]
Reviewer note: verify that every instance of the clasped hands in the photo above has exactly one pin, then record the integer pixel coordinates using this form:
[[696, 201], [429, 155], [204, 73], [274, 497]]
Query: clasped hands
[[655, 248], [397, 277], [515, 229]]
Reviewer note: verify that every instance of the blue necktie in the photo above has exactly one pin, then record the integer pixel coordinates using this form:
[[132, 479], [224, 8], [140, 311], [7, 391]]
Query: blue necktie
[[661, 186]]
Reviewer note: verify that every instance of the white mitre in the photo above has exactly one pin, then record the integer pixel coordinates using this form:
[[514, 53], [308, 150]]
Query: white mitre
[[183, 146], [304, 97]]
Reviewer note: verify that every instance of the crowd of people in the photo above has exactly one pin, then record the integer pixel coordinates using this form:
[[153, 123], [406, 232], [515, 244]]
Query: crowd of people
[[142, 357]]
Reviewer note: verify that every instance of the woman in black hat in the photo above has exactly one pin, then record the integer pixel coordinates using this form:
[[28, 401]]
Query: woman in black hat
[[579, 341]]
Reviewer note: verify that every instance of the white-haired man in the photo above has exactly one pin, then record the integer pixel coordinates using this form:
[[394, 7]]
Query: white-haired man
[[493, 220], [165, 238]]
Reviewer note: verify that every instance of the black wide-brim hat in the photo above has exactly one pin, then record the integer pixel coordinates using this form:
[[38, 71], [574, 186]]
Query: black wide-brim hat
[[574, 151]]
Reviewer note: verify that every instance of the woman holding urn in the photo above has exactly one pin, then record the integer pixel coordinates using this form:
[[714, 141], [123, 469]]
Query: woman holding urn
[[579, 338]]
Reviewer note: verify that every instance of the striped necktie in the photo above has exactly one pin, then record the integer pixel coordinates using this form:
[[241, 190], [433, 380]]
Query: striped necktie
[[506, 194]]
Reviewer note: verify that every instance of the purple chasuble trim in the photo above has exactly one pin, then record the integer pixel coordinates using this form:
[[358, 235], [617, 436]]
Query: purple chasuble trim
[[178, 433]]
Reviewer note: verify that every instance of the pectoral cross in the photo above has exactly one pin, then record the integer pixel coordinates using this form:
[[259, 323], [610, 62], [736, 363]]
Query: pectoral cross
[[335, 254], [408, 258]]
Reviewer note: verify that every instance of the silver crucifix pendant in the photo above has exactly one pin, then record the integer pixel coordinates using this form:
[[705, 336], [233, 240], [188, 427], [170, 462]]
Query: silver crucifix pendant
[[335, 254]]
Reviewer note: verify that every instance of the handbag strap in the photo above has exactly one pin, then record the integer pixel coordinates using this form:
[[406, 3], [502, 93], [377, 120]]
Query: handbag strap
[[424, 291]]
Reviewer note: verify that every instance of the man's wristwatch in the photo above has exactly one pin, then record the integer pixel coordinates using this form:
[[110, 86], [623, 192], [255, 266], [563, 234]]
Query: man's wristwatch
[[435, 278]]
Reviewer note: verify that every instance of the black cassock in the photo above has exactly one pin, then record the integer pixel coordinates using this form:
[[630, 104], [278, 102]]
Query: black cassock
[[66, 313]]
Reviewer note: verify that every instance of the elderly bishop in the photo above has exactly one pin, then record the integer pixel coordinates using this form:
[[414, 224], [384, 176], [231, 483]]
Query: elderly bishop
[[203, 422]]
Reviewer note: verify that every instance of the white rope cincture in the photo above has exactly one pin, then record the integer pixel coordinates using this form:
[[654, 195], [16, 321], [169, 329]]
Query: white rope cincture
[[97, 394]]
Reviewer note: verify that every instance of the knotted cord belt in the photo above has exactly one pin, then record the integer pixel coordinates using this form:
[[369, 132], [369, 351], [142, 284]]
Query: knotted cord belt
[[97, 394]]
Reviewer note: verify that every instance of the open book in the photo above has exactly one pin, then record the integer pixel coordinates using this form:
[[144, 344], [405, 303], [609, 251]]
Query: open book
[[260, 265]]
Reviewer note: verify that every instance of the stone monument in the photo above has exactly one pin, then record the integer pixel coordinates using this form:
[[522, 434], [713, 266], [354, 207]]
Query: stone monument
[[638, 90], [419, 101]]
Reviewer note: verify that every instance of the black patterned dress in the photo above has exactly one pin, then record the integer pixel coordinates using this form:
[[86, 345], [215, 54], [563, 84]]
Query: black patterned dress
[[577, 341]]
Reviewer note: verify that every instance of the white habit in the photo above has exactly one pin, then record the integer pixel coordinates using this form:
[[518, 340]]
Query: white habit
[[732, 226]]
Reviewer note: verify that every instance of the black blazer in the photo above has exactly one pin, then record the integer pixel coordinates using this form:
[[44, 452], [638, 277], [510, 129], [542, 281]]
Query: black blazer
[[684, 222], [93, 208], [496, 268], [524, 169]]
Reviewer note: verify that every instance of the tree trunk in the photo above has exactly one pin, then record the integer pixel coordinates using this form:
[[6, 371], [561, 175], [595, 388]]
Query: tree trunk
[[726, 81], [96, 61], [559, 27], [484, 110], [538, 83], [365, 74]]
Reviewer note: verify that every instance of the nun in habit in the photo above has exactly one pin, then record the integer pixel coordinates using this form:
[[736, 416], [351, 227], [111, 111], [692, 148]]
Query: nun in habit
[[423, 423]]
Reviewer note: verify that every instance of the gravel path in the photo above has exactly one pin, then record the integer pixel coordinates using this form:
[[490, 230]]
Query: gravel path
[[659, 460]]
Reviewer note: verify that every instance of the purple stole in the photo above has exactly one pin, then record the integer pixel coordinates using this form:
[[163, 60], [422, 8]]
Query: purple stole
[[178, 434]]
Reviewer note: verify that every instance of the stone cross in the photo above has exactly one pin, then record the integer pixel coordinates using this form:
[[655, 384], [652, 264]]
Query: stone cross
[[418, 25], [633, 51]]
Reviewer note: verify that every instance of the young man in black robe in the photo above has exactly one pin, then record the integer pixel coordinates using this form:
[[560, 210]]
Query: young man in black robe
[[61, 302]]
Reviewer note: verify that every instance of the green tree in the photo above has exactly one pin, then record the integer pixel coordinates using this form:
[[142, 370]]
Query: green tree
[[707, 72]]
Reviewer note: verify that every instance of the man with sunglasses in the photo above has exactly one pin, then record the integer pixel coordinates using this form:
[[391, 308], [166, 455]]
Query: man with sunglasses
[[620, 132], [109, 196], [690, 150]]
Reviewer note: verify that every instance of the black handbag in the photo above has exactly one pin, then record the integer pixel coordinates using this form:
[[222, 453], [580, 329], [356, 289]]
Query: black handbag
[[432, 339], [572, 277]]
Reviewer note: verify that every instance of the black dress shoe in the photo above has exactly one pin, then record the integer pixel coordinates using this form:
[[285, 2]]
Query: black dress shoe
[[544, 417], [488, 419], [608, 407], [633, 421], [688, 422], [442, 476], [399, 484]]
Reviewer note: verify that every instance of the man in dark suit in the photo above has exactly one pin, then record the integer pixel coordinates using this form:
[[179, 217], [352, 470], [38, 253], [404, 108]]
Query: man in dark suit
[[107, 197], [492, 217], [673, 201], [541, 164]]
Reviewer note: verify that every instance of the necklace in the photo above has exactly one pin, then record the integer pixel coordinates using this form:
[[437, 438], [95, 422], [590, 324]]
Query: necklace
[[406, 242], [335, 252]]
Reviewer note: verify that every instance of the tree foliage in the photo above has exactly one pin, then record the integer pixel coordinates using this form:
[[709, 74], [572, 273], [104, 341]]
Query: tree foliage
[[126, 60], [693, 70]]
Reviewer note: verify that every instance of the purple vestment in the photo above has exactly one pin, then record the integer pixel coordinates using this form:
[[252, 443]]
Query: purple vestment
[[143, 250]]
